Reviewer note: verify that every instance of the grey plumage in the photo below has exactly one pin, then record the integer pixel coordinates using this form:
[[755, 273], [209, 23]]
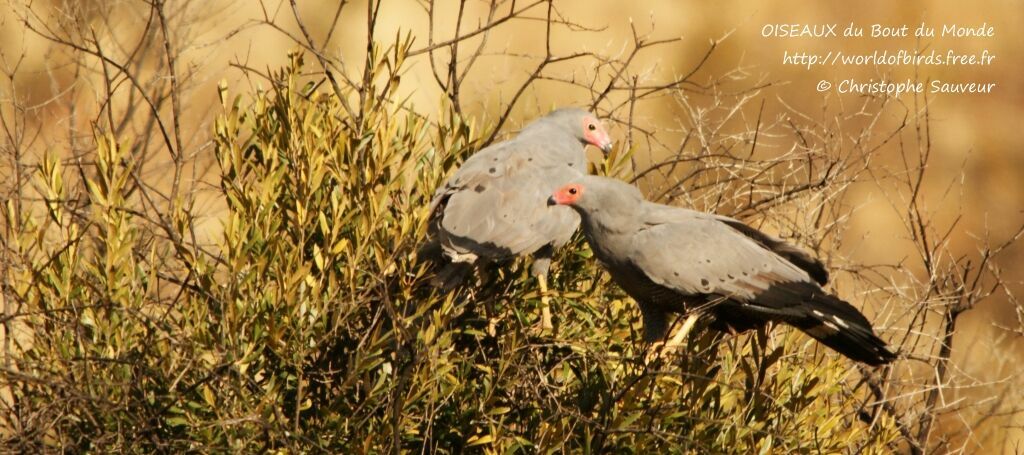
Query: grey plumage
[[494, 206], [676, 260]]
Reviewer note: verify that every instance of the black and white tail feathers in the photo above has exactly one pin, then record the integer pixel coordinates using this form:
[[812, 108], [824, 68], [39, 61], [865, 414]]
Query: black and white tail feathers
[[840, 326], [824, 317], [850, 337]]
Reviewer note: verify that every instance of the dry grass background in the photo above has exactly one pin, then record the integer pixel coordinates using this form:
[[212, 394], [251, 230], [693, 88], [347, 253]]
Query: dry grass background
[[974, 174]]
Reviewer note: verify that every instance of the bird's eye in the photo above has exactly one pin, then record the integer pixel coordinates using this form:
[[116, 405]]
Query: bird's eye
[[591, 127], [572, 191]]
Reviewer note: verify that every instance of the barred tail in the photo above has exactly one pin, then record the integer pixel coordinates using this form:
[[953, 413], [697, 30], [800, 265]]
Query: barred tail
[[840, 326]]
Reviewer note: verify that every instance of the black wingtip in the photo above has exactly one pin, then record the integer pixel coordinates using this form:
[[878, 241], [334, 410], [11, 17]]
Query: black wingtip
[[816, 270], [854, 341], [838, 325], [871, 351]]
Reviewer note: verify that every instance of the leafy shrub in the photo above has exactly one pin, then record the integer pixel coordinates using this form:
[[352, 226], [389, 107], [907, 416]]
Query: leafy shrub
[[309, 325]]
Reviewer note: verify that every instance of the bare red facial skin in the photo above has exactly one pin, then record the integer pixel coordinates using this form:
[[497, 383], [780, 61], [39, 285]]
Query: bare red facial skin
[[568, 195], [594, 134]]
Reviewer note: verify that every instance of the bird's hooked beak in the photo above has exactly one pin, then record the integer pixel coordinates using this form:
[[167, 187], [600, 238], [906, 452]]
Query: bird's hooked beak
[[601, 140], [557, 198], [596, 135]]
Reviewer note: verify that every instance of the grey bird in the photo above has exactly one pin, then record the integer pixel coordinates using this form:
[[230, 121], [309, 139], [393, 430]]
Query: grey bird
[[494, 207], [674, 260]]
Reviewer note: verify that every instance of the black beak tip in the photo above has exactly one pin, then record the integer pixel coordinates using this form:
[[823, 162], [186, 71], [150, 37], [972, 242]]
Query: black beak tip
[[551, 201], [607, 148]]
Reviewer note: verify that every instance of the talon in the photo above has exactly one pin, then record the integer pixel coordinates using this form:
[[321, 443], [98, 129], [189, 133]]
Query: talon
[[492, 327]]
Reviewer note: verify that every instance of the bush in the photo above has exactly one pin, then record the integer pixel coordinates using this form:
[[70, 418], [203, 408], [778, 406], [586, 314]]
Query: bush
[[309, 325]]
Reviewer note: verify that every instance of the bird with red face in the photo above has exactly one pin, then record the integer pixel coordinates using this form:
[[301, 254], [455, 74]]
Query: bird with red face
[[494, 207], [674, 260]]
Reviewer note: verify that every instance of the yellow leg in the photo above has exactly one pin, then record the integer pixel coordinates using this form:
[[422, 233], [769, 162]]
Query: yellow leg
[[683, 332], [658, 347], [545, 304]]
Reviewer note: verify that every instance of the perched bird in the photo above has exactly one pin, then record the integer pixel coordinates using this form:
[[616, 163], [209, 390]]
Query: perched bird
[[494, 207], [675, 260]]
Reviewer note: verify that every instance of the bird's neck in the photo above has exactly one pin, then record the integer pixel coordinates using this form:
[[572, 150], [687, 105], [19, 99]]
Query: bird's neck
[[602, 229]]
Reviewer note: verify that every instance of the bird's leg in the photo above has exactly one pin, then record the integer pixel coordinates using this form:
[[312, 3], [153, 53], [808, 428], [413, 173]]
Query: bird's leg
[[485, 280], [545, 304], [658, 347], [683, 332], [541, 264], [656, 326]]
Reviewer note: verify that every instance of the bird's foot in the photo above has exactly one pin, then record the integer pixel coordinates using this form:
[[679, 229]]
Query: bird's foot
[[492, 327]]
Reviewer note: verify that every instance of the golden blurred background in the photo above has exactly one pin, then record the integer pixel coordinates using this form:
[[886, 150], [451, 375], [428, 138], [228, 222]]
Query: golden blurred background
[[976, 140]]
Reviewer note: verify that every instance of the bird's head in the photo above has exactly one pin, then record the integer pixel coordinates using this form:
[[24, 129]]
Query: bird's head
[[567, 195], [591, 193], [608, 204], [595, 134], [584, 126]]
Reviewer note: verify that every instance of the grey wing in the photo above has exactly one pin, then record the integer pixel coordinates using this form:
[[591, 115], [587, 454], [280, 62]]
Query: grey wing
[[685, 258], [498, 209], [796, 256], [703, 255], [477, 167], [694, 253]]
